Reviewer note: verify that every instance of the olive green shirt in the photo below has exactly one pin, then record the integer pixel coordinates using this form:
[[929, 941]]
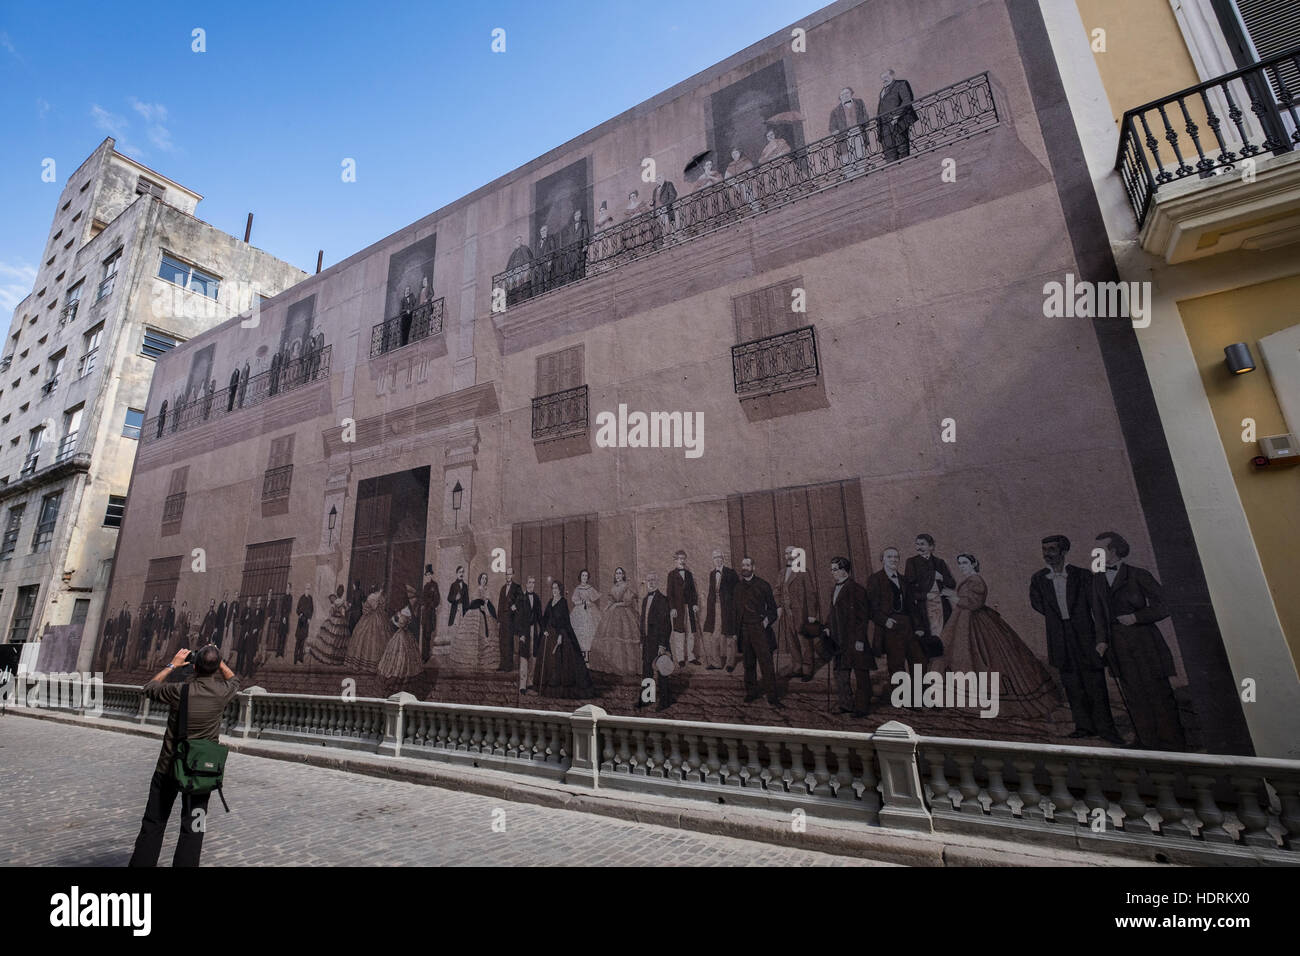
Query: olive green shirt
[[208, 698]]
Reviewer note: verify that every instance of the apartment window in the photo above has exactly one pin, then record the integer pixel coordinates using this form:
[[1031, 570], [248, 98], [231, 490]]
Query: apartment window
[[12, 527], [150, 188], [188, 276], [156, 343], [53, 370], [23, 611], [71, 431], [134, 422], [116, 509], [84, 186], [46, 520], [34, 439], [90, 350], [109, 274], [80, 609], [57, 236], [71, 302]]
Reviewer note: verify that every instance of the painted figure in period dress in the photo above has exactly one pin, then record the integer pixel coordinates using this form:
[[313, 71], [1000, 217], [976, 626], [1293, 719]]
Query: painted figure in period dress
[[564, 672], [979, 640], [370, 638], [473, 643], [400, 662], [331, 640], [616, 648], [586, 613]]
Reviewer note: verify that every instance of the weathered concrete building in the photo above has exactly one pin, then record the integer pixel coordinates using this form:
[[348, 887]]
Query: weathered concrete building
[[129, 273], [821, 265]]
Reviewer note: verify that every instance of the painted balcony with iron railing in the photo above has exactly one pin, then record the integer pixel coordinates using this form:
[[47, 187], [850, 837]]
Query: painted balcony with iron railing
[[775, 363], [401, 330], [944, 117], [174, 508], [1167, 807], [1214, 167], [312, 367], [561, 414], [276, 483]]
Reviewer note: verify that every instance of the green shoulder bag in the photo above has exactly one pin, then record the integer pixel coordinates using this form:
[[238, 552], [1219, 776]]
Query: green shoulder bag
[[198, 765]]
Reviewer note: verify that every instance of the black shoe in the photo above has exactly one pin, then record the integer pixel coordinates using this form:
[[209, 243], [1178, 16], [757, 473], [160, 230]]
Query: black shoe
[[730, 668], [805, 677], [1115, 740], [695, 660], [777, 705], [843, 710], [713, 667], [750, 698], [1079, 733], [860, 713]]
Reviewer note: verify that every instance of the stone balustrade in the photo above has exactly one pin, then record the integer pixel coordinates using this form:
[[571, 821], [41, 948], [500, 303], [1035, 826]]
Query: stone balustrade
[[1192, 807]]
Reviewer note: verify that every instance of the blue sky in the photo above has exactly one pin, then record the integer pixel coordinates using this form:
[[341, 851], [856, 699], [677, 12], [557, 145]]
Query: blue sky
[[262, 120]]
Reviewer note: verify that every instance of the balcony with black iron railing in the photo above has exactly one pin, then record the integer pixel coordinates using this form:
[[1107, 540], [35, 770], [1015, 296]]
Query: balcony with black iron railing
[[775, 363], [307, 369], [276, 483], [105, 287], [30, 463], [1190, 145], [67, 447], [421, 322], [44, 533], [560, 415], [69, 312], [944, 117], [173, 509]]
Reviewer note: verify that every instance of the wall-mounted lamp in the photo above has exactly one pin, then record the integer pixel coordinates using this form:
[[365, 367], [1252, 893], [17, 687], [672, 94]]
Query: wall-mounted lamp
[[334, 517], [456, 492], [1238, 358]]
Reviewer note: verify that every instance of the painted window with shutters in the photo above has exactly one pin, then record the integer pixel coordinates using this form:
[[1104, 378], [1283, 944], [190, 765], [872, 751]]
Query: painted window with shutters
[[560, 402], [278, 478], [161, 581], [174, 505], [776, 347], [558, 549], [824, 520]]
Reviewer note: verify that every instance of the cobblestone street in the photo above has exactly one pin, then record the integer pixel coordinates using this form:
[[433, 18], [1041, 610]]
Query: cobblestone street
[[72, 796]]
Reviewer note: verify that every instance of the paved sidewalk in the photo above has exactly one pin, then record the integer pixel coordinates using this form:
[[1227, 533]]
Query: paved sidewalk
[[73, 796]]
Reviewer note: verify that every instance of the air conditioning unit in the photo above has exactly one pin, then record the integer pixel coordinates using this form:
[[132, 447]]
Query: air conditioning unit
[[1278, 450]]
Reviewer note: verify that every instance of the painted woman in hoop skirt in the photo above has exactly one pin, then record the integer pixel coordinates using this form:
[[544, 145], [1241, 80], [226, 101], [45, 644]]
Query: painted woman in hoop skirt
[[401, 661], [564, 672], [978, 639], [370, 638], [328, 646], [616, 648], [472, 644]]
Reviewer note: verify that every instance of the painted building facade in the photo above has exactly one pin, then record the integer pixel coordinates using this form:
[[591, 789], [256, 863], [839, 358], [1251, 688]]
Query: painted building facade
[[829, 256]]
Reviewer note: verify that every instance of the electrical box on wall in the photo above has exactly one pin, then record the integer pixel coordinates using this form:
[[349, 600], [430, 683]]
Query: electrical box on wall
[[1278, 450]]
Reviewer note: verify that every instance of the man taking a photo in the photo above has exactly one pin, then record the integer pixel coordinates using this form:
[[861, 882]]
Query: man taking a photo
[[210, 689]]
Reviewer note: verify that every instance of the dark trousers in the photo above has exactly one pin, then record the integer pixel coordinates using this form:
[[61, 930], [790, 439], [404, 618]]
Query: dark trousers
[[162, 794], [1085, 686], [758, 661], [428, 627], [506, 646], [1154, 709], [853, 682], [903, 649], [895, 140]]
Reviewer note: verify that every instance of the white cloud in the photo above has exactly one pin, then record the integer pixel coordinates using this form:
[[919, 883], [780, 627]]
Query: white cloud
[[15, 284], [42, 107], [115, 126], [8, 44], [155, 114]]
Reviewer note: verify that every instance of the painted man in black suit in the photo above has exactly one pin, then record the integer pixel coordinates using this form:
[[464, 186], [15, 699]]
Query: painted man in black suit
[[123, 635], [755, 615], [528, 628], [656, 630], [895, 116], [893, 636], [1063, 595], [283, 613], [519, 269], [232, 621], [846, 629], [547, 261], [720, 616], [208, 628], [1127, 604], [927, 575], [509, 609], [684, 609], [661, 201], [429, 601], [305, 611]]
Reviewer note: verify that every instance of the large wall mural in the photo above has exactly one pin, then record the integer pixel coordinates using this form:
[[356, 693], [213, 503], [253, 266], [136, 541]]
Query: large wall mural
[[824, 564]]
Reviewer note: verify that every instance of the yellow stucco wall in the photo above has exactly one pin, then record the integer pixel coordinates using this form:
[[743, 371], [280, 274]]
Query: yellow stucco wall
[[1271, 496], [1145, 58]]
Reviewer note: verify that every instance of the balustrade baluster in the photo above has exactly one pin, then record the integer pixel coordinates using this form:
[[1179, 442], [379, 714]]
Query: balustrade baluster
[[639, 756], [732, 776], [1135, 809], [999, 795], [1171, 811], [1252, 816], [843, 772], [1060, 796], [1031, 796], [1288, 794], [713, 764], [937, 787], [966, 785]]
